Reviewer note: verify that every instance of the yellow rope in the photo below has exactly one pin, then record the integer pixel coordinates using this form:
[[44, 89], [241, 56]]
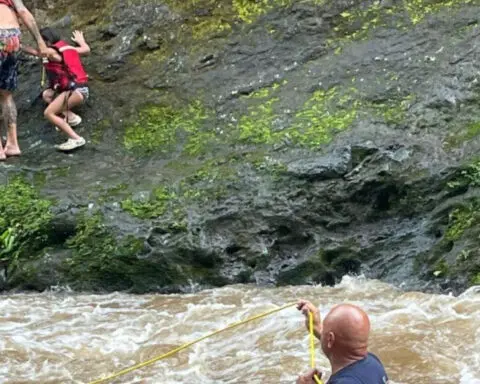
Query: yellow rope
[[42, 83], [312, 347], [184, 346]]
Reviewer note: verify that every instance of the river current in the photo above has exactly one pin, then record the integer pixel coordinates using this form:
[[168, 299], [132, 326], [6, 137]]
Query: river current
[[61, 337]]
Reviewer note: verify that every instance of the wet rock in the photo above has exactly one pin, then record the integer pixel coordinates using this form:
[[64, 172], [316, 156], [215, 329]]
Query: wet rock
[[283, 145], [330, 166]]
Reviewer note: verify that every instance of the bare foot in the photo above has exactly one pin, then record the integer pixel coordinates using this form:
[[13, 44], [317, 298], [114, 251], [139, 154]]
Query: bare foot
[[12, 151], [2, 156]]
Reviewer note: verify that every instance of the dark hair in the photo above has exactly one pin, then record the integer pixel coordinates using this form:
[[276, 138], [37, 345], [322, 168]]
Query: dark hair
[[50, 35]]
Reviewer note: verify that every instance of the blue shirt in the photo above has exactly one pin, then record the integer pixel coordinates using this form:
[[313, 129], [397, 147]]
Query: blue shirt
[[369, 370]]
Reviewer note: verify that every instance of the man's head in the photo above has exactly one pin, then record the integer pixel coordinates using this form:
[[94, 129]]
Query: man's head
[[50, 35], [345, 332]]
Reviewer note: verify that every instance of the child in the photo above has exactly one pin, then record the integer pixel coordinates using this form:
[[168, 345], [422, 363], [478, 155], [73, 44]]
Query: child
[[67, 83]]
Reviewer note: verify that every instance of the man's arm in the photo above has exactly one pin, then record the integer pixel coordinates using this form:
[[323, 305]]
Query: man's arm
[[29, 50], [31, 24]]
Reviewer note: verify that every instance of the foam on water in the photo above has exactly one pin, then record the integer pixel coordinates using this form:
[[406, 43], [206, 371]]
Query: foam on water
[[59, 337]]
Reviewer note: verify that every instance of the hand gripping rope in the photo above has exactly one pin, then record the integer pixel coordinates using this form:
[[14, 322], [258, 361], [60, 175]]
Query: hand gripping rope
[[231, 326]]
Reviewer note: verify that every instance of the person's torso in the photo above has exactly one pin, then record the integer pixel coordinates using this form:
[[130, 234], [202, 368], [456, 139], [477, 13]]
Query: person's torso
[[8, 16], [366, 371], [70, 69]]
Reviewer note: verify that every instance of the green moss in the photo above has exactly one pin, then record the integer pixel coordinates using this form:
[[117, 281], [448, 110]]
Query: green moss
[[99, 130], [315, 123], [323, 115], [62, 171], [250, 10], [25, 217], [152, 208], [476, 279], [418, 10], [461, 219], [256, 126], [358, 23], [100, 260], [220, 17], [206, 28], [39, 179], [206, 184], [392, 112], [313, 269], [441, 269], [158, 128], [467, 177], [110, 193], [469, 132]]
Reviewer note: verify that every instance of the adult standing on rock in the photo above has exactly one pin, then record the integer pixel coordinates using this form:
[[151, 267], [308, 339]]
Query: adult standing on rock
[[10, 12], [344, 339]]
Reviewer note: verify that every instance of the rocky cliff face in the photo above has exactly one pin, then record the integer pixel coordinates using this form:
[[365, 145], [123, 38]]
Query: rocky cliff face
[[272, 141]]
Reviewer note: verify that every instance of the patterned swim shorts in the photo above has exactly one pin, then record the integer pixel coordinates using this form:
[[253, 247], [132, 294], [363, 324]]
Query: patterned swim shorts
[[9, 50]]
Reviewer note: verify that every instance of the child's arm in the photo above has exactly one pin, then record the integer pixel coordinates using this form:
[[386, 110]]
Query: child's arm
[[83, 48]]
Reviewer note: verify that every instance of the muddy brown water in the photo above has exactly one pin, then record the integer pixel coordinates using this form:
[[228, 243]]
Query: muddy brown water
[[60, 337]]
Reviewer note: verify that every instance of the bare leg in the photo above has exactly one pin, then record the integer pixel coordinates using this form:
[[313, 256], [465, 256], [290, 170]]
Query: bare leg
[[57, 106], [9, 111], [48, 96]]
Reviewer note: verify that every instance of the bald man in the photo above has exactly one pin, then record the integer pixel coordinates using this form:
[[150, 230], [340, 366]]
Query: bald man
[[344, 340]]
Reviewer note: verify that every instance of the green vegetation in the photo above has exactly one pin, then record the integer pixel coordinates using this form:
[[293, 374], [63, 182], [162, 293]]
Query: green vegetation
[[324, 114], [158, 128], [392, 112], [468, 177], [461, 219], [418, 10], [24, 222], [249, 10], [99, 259], [99, 130], [255, 127], [476, 279], [471, 131], [357, 24], [220, 17], [208, 183], [155, 206], [441, 269]]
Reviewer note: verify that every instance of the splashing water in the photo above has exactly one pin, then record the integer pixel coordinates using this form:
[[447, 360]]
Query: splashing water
[[64, 338]]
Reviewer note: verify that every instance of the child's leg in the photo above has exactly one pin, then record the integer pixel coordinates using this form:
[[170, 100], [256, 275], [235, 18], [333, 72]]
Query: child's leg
[[48, 95], [61, 105]]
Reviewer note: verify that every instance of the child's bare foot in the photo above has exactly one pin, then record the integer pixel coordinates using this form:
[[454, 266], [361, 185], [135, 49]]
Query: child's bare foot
[[12, 151], [3, 157]]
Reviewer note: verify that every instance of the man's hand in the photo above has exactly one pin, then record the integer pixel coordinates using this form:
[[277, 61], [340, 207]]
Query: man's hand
[[77, 37], [308, 377], [307, 307], [42, 49]]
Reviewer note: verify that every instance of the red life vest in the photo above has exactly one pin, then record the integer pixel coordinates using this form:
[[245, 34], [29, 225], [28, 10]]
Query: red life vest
[[68, 74], [8, 3]]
